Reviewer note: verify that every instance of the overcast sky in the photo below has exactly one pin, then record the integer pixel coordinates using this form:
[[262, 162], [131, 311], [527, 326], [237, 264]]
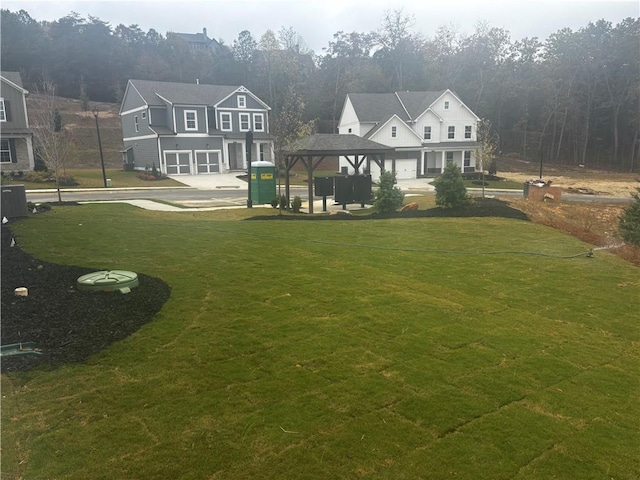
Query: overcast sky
[[318, 20]]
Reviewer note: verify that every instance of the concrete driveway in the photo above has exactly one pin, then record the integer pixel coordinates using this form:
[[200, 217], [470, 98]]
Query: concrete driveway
[[217, 181]]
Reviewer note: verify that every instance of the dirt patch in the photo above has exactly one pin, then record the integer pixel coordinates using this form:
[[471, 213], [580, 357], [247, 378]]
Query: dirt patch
[[572, 179], [67, 325]]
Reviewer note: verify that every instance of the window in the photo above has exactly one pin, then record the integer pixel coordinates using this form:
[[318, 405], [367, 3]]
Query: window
[[261, 152], [225, 121], [3, 113], [135, 123], [427, 133], [258, 122], [451, 132], [245, 124], [190, 120], [394, 132], [144, 115], [449, 157], [242, 101], [467, 158], [350, 131], [446, 105], [467, 131], [5, 151]]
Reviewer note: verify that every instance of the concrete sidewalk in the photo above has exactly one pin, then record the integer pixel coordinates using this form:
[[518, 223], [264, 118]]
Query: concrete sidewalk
[[230, 181]]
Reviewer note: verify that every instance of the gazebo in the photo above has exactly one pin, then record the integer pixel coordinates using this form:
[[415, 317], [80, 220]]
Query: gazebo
[[313, 149]]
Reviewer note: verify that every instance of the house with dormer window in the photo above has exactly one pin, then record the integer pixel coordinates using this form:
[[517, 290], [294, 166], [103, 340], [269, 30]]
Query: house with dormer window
[[427, 130], [16, 138], [192, 129]]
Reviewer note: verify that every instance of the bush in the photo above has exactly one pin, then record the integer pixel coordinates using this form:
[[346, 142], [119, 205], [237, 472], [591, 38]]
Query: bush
[[629, 222], [39, 207], [283, 202], [388, 198], [66, 181], [493, 167], [296, 204], [450, 189], [38, 177], [275, 202]]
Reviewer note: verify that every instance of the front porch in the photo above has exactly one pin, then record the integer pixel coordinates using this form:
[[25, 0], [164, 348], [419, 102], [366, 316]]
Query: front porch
[[433, 162]]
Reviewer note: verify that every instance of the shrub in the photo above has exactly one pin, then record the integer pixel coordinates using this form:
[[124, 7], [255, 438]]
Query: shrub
[[296, 204], [388, 198], [493, 167], [283, 202], [275, 202], [38, 177], [39, 207], [450, 189], [629, 222], [66, 181]]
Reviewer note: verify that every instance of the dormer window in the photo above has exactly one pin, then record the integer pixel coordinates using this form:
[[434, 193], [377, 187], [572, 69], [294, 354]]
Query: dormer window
[[190, 120], [394, 132], [242, 101], [446, 105]]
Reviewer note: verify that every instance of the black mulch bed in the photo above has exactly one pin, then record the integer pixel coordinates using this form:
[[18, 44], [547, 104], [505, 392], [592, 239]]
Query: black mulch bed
[[489, 207], [66, 324]]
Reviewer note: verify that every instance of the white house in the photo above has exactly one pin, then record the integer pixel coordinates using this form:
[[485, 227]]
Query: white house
[[427, 129]]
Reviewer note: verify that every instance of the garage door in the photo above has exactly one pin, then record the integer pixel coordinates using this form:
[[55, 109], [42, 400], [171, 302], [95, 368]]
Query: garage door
[[208, 162], [177, 163]]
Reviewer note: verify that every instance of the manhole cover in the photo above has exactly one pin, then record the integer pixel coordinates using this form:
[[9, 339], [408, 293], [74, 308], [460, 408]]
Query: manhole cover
[[108, 281]]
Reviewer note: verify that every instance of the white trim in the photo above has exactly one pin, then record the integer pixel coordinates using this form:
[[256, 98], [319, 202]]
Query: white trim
[[222, 129], [15, 85], [242, 104], [221, 165], [407, 127], [126, 92], [243, 90], [3, 110], [429, 109], [164, 99], [256, 129], [457, 98], [186, 121], [191, 135], [178, 152], [7, 150], [134, 110], [141, 137], [247, 116]]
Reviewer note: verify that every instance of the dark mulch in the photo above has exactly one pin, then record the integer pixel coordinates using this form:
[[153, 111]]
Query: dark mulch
[[66, 324], [489, 207]]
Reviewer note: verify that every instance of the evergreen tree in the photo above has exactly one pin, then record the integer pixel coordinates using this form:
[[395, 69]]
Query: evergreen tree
[[629, 225], [388, 198], [450, 189]]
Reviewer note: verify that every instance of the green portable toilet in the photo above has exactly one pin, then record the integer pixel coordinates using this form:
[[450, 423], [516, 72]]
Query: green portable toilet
[[263, 182]]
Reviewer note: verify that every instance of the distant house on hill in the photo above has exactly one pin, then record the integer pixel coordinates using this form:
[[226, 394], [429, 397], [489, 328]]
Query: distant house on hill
[[199, 41], [16, 138], [192, 129], [427, 129]]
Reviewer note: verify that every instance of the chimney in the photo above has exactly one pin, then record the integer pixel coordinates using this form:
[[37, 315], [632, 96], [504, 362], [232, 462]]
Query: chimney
[[204, 32]]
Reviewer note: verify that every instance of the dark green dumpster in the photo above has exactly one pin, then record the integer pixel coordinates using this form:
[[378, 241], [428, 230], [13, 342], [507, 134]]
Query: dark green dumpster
[[263, 182]]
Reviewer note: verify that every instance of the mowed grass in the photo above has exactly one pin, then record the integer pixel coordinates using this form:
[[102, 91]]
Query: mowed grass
[[92, 178], [338, 349]]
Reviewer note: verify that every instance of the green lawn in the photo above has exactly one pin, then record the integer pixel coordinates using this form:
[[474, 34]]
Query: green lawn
[[92, 178], [338, 349]]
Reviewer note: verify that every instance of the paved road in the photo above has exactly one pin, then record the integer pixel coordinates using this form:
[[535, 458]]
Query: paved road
[[193, 197]]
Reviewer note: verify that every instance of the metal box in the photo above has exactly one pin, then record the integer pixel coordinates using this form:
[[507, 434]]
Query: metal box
[[14, 201]]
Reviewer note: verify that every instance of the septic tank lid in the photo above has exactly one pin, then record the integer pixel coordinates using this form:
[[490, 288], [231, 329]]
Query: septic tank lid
[[108, 281]]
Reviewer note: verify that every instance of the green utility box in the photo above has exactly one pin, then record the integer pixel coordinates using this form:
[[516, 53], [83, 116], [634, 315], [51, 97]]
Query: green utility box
[[263, 182]]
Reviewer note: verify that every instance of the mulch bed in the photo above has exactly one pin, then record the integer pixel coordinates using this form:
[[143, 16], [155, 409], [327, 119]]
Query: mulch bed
[[66, 324]]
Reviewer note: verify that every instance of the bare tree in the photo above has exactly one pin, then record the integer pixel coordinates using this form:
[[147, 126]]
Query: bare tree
[[487, 146], [51, 140]]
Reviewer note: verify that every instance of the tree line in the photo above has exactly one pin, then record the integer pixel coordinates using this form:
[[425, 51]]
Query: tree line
[[572, 98]]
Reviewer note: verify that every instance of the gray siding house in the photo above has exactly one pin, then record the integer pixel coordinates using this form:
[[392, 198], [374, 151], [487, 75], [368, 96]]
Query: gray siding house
[[16, 138], [192, 129]]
